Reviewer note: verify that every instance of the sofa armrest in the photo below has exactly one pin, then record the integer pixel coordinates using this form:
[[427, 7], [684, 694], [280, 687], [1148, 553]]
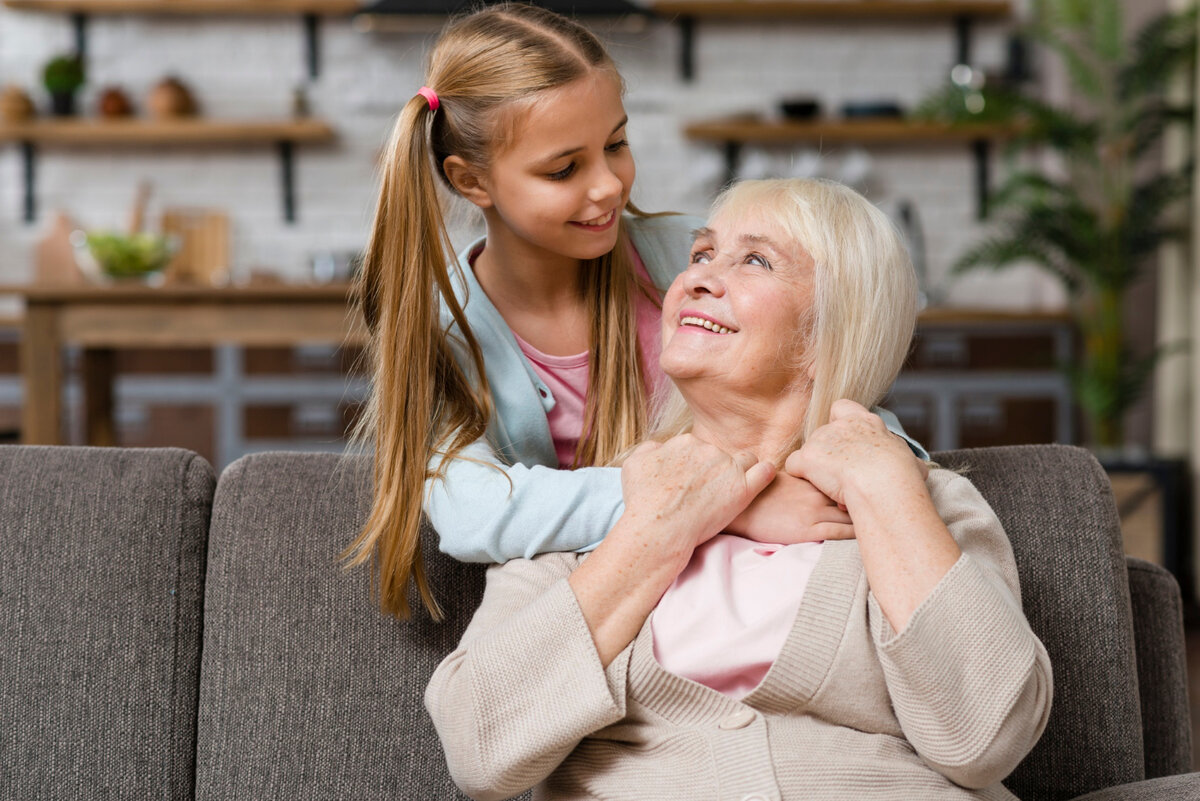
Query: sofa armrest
[[1184, 787], [1162, 668]]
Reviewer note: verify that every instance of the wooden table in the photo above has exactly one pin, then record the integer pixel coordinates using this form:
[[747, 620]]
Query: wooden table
[[102, 319]]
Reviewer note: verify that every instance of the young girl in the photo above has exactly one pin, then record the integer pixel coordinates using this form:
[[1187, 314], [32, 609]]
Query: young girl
[[537, 348]]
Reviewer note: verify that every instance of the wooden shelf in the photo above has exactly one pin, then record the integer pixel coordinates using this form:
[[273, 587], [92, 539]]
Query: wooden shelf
[[81, 11], [190, 7], [834, 9], [733, 133], [962, 14], [185, 131], [866, 131], [194, 132]]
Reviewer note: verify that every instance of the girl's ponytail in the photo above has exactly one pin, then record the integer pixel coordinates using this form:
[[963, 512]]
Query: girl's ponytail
[[419, 392]]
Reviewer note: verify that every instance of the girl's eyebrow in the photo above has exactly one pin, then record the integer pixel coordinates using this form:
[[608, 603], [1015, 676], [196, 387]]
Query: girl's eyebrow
[[702, 233], [624, 121]]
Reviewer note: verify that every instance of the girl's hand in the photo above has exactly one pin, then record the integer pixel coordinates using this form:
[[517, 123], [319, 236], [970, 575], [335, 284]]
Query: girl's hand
[[792, 510], [686, 491], [853, 454]]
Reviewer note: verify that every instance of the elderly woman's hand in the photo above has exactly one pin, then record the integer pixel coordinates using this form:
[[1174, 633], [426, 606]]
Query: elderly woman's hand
[[688, 490], [854, 453], [905, 546]]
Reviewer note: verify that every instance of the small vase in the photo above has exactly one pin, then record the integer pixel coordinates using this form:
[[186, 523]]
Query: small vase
[[62, 104]]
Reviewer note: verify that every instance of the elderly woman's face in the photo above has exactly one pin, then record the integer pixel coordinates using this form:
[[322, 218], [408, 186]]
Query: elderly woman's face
[[738, 313]]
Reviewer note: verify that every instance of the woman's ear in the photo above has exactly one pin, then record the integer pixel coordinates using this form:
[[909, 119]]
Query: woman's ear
[[467, 181]]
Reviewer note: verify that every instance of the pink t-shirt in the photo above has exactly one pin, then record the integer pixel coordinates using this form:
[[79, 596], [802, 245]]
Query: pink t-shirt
[[567, 376], [726, 617]]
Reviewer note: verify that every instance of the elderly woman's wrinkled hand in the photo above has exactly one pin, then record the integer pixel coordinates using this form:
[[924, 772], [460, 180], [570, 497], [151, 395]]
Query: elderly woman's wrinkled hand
[[689, 490], [853, 454]]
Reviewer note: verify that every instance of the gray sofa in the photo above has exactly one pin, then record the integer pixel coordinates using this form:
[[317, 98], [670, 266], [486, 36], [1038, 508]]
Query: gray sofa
[[168, 635]]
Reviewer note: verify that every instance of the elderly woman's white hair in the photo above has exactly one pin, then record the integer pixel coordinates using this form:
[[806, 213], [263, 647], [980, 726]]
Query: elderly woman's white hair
[[864, 292]]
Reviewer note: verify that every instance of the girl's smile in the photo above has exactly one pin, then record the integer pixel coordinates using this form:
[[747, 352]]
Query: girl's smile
[[600, 223]]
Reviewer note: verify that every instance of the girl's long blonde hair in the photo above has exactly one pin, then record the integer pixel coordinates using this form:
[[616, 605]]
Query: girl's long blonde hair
[[423, 401]]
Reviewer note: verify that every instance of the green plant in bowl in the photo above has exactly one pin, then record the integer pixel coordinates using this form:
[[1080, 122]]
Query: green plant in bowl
[[118, 255]]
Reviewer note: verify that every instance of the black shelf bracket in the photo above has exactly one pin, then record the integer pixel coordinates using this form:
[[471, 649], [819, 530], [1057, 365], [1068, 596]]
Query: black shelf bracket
[[733, 152], [982, 150], [962, 39], [312, 50], [29, 160], [287, 166], [79, 21], [687, 48]]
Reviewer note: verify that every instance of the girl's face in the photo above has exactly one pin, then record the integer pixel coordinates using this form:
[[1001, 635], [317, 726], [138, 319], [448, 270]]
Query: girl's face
[[736, 318], [559, 187]]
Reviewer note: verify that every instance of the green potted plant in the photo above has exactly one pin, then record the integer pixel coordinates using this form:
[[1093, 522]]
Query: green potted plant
[[1095, 217], [62, 77]]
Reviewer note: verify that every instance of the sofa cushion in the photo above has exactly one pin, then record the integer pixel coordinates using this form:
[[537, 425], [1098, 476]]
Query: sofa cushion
[[1057, 508], [308, 690], [101, 584]]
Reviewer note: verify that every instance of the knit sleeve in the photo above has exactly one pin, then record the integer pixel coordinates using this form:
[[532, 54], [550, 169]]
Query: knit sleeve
[[525, 684], [970, 682], [486, 511]]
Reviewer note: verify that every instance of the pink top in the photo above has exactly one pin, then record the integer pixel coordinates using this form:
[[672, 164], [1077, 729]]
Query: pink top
[[724, 620], [567, 376]]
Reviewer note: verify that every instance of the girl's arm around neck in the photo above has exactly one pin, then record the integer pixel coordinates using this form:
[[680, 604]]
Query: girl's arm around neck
[[486, 511]]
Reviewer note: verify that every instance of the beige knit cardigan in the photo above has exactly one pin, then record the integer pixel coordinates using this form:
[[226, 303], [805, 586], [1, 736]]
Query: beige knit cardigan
[[849, 710]]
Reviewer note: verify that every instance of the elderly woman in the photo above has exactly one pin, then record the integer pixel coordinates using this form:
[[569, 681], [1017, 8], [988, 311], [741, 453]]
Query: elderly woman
[[676, 662]]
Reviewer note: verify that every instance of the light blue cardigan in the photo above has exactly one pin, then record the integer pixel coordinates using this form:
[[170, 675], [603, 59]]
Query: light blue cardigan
[[529, 506]]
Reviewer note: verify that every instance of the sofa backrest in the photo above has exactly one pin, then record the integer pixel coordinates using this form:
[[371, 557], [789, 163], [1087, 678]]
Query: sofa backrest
[[1057, 508], [307, 690], [101, 585]]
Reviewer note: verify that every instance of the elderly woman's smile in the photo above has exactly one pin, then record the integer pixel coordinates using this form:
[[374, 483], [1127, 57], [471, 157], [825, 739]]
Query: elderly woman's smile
[[687, 318]]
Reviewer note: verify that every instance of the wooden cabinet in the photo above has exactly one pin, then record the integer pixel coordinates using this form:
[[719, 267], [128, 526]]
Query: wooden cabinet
[[976, 379]]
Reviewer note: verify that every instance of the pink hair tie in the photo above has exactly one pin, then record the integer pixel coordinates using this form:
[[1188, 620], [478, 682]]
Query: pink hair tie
[[430, 96]]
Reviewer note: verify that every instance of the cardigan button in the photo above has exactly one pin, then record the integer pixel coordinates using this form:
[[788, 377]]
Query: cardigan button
[[738, 720]]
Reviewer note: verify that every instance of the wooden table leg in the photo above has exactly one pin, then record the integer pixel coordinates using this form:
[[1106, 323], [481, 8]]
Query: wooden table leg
[[41, 368], [98, 374]]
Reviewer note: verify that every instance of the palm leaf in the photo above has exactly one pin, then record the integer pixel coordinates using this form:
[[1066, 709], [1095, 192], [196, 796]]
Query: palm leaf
[[1149, 201], [1003, 250], [1164, 45], [1107, 31], [1085, 72]]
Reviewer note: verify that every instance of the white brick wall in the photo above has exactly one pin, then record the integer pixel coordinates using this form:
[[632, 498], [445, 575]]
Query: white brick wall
[[249, 67]]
